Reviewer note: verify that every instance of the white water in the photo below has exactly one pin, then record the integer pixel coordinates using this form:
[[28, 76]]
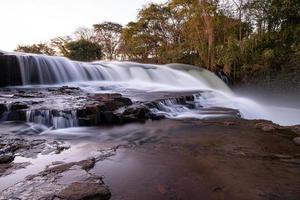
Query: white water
[[123, 77]]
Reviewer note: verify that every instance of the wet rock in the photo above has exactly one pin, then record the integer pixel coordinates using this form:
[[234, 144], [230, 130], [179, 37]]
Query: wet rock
[[3, 108], [29, 147], [103, 111], [135, 113], [68, 107], [111, 102], [6, 158], [68, 90], [19, 106], [108, 117], [297, 140], [155, 116], [84, 164], [67, 181], [7, 169]]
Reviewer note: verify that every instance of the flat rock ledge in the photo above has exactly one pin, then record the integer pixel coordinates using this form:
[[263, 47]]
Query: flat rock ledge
[[28, 147], [70, 181]]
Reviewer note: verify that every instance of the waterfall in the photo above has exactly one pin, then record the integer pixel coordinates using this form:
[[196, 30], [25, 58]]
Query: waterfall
[[130, 79], [40, 70]]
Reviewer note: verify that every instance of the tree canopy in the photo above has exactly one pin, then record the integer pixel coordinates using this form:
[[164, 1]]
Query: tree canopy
[[252, 39]]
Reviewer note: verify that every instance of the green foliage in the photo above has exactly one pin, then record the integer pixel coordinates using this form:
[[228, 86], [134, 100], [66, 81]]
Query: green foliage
[[83, 50], [253, 39], [41, 48]]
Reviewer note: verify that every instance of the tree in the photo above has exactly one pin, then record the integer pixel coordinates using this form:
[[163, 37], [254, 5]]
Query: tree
[[240, 7], [141, 40], [207, 12], [157, 36], [83, 50], [85, 33], [41, 48], [59, 44], [108, 34]]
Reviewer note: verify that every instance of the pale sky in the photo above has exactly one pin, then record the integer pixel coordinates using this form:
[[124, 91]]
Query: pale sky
[[33, 21]]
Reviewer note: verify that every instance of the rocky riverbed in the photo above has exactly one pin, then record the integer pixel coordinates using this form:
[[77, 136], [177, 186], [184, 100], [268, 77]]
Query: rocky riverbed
[[63, 142], [166, 159], [65, 106]]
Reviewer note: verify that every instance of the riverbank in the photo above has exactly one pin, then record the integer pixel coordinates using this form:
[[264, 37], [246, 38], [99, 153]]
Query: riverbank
[[167, 159]]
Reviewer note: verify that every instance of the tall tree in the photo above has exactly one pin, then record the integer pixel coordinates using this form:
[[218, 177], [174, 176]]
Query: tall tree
[[108, 34]]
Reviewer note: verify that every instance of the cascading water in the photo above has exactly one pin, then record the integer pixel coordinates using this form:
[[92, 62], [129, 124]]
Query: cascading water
[[130, 79], [56, 119]]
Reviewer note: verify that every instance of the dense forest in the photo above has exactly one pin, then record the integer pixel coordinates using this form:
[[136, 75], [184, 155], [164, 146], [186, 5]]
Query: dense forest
[[256, 42]]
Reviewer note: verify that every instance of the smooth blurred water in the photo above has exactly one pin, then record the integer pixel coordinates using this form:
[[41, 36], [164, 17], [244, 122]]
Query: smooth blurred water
[[127, 77]]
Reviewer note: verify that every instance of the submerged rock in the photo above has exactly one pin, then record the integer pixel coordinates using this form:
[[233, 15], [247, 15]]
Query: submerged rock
[[28, 147], [7, 169], [70, 181]]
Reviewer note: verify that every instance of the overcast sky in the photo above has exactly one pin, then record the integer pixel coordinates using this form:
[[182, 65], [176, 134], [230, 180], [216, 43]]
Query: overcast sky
[[32, 21]]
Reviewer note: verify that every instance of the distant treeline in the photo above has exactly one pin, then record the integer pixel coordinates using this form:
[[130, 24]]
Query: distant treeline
[[255, 41]]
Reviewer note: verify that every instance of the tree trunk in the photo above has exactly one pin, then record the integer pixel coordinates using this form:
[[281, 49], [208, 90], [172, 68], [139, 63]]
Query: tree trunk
[[208, 21]]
